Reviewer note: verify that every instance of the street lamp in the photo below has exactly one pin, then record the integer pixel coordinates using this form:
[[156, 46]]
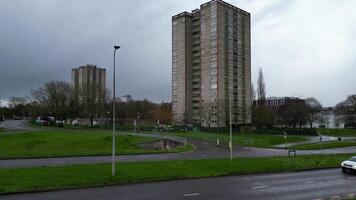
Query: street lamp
[[113, 117], [230, 143]]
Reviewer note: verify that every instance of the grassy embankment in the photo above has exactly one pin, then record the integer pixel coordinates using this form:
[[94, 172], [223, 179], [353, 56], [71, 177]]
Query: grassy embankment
[[331, 144], [51, 178], [325, 145], [338, 132], [245, 139], [72, 143]]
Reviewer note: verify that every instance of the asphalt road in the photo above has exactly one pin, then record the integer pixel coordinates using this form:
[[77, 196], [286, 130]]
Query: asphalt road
[[302, 185], [203, 152], [18, 125]]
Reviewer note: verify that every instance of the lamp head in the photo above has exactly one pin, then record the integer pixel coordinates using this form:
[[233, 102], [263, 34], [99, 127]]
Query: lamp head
[[116, 47]]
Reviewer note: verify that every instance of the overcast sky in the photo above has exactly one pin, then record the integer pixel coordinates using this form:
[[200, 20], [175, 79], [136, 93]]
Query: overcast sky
[[305, 48]]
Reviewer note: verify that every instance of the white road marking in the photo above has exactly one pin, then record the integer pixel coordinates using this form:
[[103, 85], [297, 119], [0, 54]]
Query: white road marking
[[258, 187], [309, 182], [192, 194]]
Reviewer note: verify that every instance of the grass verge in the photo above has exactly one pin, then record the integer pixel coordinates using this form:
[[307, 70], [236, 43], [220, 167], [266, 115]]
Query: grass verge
[[52, 178], [252, 140], [73, 143], [338, 132], [325, 145]]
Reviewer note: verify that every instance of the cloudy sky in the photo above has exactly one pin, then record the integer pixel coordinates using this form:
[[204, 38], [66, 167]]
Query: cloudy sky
[[305, 48]]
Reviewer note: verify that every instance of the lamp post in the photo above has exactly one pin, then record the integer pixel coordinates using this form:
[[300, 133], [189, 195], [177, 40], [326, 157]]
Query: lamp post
[[113, 117], [230, 142]]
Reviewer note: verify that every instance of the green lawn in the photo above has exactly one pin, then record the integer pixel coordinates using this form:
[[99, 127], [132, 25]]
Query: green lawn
[[49, 178], [324, 145], [71, 143], [254, 140], [338, 132]]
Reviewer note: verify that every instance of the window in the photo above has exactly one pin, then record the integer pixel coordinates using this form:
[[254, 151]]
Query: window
[[214, 86]]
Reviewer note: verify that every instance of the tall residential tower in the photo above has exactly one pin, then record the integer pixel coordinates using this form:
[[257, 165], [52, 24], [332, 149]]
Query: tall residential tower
[[89, 80], [211, 65]]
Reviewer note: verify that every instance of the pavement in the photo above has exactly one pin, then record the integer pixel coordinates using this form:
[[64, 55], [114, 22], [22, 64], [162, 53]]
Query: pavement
[[312, 184], [17, 125]]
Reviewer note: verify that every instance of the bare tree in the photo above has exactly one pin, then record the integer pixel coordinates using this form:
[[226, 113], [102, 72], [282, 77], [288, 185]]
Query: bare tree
[[261, 87], [262, 117], [293, 114], [347, 109], [16, 101], [207, 113], [253, 93], [313, 107], [93, 101], [55, 97]]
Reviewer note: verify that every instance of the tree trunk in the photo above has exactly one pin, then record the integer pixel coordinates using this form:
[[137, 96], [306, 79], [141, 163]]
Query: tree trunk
[[91, 121]]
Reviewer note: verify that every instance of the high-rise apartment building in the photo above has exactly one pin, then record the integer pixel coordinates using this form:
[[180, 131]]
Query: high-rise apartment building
[[89, 80], [211, 65]]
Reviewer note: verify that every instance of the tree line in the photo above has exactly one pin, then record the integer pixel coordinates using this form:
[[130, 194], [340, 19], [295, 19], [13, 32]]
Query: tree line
[[60, 101], [297, 113]]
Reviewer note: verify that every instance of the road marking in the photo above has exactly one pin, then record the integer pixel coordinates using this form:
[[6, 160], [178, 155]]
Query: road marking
[[309, 182], [192, 194], [258, 187]]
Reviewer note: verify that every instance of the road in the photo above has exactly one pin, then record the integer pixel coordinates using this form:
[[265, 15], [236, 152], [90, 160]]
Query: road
[[204, 151], [18, 125], [314, 184]]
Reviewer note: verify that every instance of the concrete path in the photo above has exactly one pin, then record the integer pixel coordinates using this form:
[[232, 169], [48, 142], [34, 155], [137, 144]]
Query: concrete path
[[303, 185]]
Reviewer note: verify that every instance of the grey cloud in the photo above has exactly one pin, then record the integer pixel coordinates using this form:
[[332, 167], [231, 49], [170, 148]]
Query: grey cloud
[[42, 40]]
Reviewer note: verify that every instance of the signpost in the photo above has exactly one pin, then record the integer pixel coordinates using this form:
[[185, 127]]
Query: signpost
[[321, 144]]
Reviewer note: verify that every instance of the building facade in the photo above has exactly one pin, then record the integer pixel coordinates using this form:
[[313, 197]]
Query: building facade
[[211, 66], [275, 103], [89, 79]]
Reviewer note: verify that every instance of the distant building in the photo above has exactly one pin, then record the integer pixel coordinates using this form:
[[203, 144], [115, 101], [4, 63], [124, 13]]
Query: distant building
[[211, 65], [327, 118], [126, 98], [89, 79], [279, 104], [275, 103]]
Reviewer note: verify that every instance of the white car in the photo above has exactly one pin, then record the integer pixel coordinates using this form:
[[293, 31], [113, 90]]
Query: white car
[[349, 165]]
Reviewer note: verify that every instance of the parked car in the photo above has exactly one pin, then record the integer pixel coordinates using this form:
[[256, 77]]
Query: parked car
[[16, 117], [349, 165]]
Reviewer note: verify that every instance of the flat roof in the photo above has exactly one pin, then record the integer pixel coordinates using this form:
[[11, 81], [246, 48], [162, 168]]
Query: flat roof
[[185, 13]]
